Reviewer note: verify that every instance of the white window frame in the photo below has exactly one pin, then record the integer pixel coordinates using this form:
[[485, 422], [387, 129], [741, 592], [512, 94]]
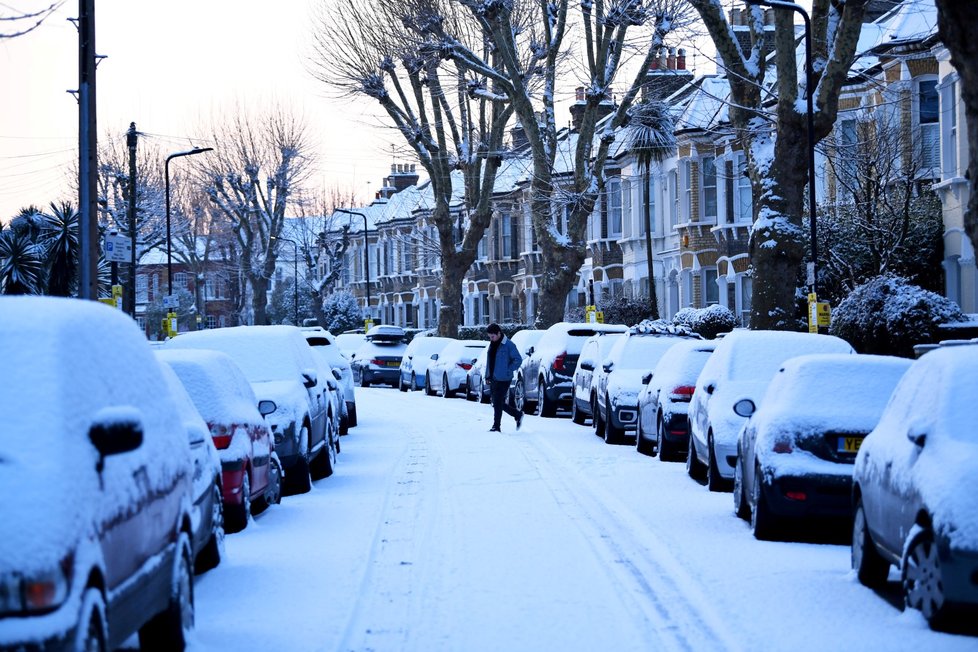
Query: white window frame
[[706, 163], [928, 134], [613, 194], [626, 207], [710, 277], [947, 92], [743, 211]]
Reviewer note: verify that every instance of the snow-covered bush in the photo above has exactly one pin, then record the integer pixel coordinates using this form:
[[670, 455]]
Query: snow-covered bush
[[618, 310], [708, 322], [479, 332], [342, 312], [888, 315]]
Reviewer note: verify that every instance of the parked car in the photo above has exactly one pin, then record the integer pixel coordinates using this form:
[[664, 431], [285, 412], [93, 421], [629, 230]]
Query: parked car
[[96, 469], [415, 360], [378, 360], [796, 451], [334, 393], [663, 403], [251, 472], [740, 367], [326, 342], [618, 380], [594, 350], [915, 488], [546, 375], [280, 368], [446, 373], [207, 540], [476, 387]]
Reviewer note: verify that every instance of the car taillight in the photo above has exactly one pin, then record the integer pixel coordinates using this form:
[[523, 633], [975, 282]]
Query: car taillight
[[221, 434], [463, 365], [559, 362], [377, 363], [796, 495], [783, 446], [682, 394]]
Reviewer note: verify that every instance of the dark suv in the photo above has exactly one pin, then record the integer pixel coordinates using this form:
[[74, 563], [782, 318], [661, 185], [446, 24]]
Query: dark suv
[[545, 379], [95, 541]]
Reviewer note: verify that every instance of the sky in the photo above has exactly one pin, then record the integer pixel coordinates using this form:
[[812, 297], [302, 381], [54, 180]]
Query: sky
[[169, 68]]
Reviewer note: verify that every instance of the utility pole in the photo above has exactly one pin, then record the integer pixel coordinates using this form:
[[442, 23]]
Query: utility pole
[[131, 143], [87, 153]]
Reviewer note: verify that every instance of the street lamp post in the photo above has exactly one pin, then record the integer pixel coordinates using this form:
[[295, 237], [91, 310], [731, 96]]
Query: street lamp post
[[366, 251], [169, 245], [810, 94], [295, 273]]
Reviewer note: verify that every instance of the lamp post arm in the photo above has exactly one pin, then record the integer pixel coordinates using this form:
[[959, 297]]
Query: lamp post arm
[[366, 249]]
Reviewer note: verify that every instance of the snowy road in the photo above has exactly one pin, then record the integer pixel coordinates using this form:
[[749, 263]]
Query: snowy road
[[435, 534]]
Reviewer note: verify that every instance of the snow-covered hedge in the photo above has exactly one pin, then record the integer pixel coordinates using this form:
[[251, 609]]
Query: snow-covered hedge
[[708, 322], [619, 310], [479, 332], [888, 315]]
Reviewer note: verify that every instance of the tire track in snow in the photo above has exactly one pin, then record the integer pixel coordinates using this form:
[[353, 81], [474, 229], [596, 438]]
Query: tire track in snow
[[677, 613], [399, 570]]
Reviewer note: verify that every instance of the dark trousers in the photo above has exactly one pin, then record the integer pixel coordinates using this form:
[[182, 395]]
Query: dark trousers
[[500, 389]]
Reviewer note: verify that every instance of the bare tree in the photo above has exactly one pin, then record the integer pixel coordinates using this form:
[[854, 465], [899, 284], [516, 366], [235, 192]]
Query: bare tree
[[528, 40], [253, 178], [957, 24], [453, 119], [776, 145], [14, 22]]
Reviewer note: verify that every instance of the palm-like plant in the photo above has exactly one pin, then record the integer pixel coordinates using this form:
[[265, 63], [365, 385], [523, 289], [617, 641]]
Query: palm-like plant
[[60, 241], [21, 264]]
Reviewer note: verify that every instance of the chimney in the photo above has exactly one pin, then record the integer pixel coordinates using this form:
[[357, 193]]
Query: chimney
[[577, 108], [671, 59], [735, 17], [403, 176], [579, 93], [518, 136], [681, 59]]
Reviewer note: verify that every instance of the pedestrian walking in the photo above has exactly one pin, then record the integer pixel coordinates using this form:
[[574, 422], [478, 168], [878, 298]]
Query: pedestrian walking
[[502, 361]]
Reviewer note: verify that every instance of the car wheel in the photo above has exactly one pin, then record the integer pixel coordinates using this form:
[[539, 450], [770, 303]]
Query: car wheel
[[714, 481], [351, 416], [237, 515], [470, 394], [273, 494], [547, 406], [870, 567], [694, 468], [210, 555], [484, 396], [363, 380], [519, 395], [445, 391], [642, 445], [91, 635], [171, 628], [923, 586], [596, 421], [576, 415], [323, 464], [414, 383], [612, 433], [762, 521], [400, 384], [741, 507], [427, 385]]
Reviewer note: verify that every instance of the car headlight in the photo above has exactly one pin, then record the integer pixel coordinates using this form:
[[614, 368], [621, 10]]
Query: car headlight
[[38, 592]]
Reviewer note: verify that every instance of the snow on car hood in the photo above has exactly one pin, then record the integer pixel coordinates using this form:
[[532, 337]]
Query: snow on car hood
[[291, 400], [624, 386]]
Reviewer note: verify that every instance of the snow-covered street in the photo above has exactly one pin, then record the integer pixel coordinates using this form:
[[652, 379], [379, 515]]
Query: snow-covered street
[[435, 534]]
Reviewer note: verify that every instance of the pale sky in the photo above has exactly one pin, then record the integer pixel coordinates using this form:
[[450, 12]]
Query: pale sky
[[169, 67]]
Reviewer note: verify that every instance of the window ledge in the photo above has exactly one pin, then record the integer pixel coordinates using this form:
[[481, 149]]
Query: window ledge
[[735, 227], [949, 183]]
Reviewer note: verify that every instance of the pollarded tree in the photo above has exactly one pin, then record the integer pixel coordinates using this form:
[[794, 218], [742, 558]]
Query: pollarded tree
[[453, 120], [528, 38], [957, 22], [776, 145], [253, 178]]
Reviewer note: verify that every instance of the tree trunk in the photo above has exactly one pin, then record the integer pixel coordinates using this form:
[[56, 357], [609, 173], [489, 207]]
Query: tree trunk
[[259, 299], [646, 211], [777, 243], [957, 23]]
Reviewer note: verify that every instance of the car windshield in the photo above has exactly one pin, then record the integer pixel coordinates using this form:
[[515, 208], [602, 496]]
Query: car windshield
[[643, 352]]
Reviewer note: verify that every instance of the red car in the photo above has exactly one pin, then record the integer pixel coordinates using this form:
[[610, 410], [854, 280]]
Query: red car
[[250, 470]]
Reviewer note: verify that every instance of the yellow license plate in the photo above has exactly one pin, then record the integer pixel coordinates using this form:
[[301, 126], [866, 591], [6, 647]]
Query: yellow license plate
[[850, 444]]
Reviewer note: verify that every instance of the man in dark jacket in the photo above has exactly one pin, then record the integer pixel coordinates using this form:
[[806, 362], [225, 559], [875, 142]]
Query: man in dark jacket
[[502, 361]]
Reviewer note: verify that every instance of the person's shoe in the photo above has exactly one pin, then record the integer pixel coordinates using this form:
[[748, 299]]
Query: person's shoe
[[519, 421], [495, 429]]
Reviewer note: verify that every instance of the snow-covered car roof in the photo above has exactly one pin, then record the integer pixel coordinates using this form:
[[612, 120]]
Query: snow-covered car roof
[[462, 350], [216, 385], [746, 355], [383, 332], [264, 353], [423, 347], [818, 391], [682, 363], [382, 349]]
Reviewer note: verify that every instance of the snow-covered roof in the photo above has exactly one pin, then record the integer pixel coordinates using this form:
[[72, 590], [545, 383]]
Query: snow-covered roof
[[705, 106]]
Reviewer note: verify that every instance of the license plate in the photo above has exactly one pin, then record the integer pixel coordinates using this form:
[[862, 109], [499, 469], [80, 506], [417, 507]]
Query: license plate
[[393, 363], [850, 444]]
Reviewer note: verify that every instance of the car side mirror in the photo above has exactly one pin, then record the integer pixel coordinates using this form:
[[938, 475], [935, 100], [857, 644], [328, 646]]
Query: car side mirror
[[608, 366], [530, 351], [709, 388], [266, 407], [309, 378], [114, 431], [918, 439], [744, 407], [587, 365], [337, 375], [646, 378], [434, 356]]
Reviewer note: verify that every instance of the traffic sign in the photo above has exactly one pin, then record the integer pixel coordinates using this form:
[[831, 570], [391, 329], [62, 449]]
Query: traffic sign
[[118, 248], [170, 301]]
